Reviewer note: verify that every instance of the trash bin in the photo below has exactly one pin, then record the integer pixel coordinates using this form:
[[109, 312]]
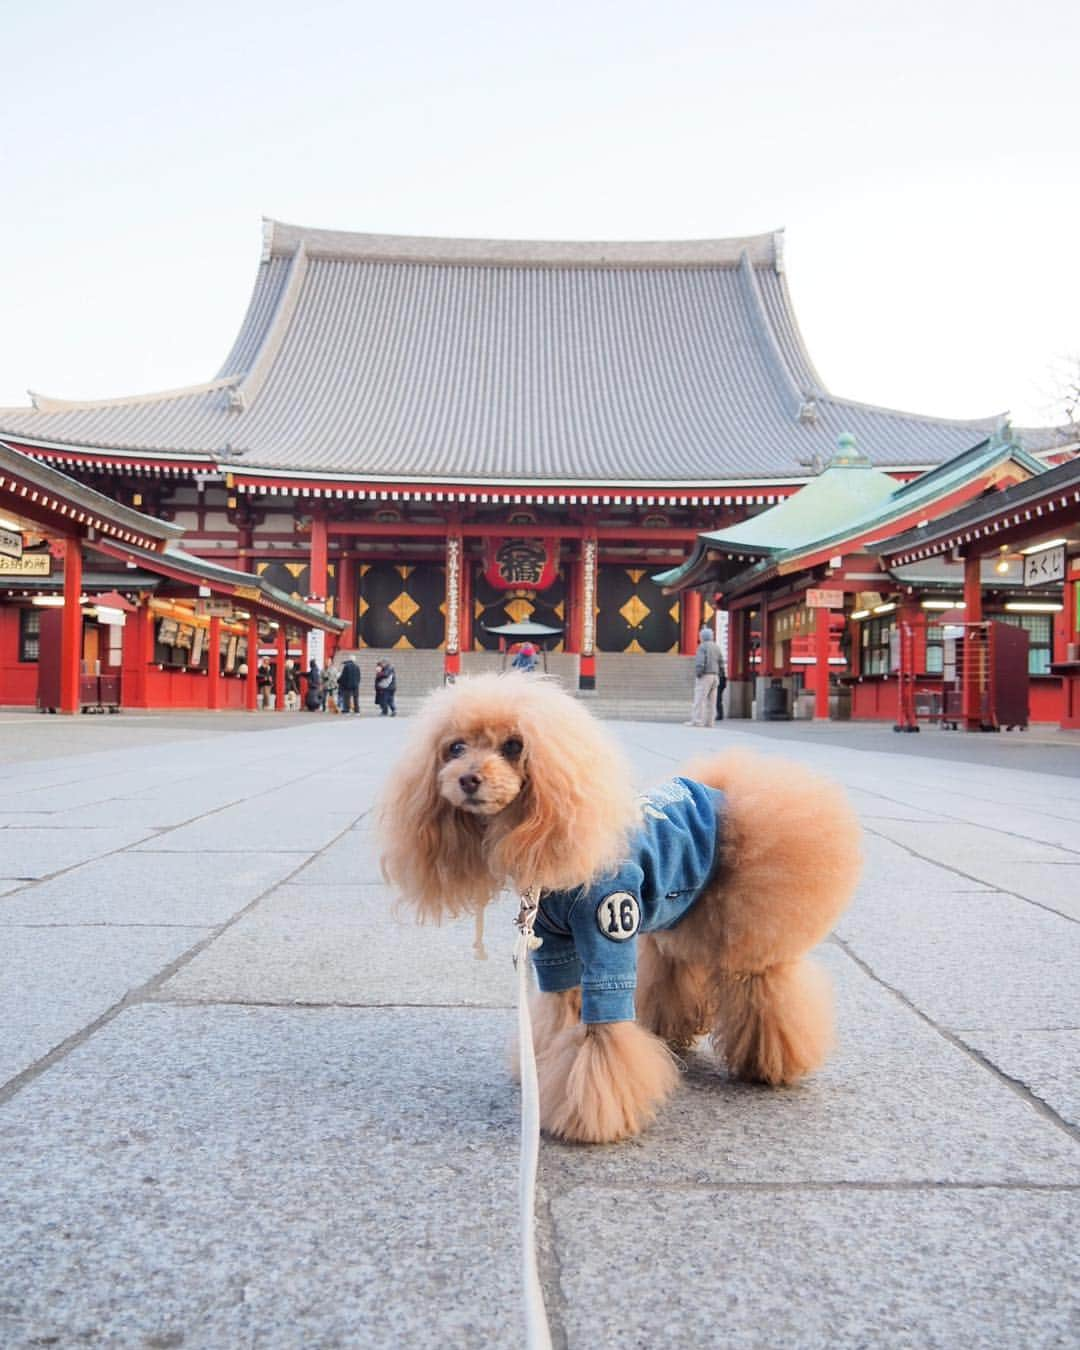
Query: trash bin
[[775, 708]]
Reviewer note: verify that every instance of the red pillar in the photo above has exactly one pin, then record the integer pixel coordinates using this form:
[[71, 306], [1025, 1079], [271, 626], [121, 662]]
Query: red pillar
[[766, 666], [213, 665], [691, 622], [251, 689], [71, 627], [974, 652], [317, 585], [138, 651], [572, 608], [346, 598], [279, 672], [821, 664]]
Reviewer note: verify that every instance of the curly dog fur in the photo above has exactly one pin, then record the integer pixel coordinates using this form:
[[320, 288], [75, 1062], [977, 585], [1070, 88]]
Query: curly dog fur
[[507, 780]]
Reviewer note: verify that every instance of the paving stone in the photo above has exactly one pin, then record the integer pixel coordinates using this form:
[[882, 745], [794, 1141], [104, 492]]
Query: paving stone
[[36, 852], [963, 844], [254, 826], [980, 960], [233, 1177], [352, 859], [895, 1102], [141, 888], [809, 1269], [1055, 885], [348, 944], [1047, 1063], [56, 981]]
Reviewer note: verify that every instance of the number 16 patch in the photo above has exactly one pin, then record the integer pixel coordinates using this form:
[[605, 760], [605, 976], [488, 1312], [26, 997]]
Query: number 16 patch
[[618, 916]]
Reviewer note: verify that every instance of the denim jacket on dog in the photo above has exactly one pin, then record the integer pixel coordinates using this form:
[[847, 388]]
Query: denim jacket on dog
[[589, 934]]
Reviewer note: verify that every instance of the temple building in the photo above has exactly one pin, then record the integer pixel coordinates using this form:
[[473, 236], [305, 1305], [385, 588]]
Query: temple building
[[437, 437]]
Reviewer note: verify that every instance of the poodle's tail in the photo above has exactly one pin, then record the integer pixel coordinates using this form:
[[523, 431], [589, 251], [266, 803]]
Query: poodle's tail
[[776, 1025]]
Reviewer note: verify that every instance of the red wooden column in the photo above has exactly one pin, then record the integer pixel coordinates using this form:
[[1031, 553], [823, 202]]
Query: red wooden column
[[571, 608], [317, 581], [282, 655], [71, 626], [138, 651], [251, 689], [766, 666], [348, 569], [973, 655], [213, 665], [452, 659], [691, 622], [587, 609], [821, 664]]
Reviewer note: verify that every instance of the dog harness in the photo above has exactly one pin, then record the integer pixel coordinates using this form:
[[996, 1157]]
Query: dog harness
[[589, 934]]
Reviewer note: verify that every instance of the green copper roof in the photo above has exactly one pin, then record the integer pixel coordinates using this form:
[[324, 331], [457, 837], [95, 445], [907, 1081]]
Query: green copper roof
[[847, 499]]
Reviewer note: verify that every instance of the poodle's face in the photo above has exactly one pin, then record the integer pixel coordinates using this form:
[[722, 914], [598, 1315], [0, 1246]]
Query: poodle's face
[[482, 769]]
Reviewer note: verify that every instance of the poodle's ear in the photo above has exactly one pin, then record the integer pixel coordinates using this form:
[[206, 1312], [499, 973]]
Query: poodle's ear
[[431, 853], [578, 803]]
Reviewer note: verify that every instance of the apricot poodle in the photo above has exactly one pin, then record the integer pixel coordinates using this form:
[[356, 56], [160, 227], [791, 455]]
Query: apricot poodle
[[663, 917]]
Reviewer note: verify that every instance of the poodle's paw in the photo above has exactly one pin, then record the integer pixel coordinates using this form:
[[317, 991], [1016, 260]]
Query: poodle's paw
[[549, 1014], [776, 1025], [675, 1008], [603, 1082]]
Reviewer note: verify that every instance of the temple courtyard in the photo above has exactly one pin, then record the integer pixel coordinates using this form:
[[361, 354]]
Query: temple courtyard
[[243, 1103]]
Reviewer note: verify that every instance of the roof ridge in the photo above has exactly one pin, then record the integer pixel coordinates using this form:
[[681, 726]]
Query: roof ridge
[[45, 403], [281, 238], [980, 423], [770, 347], [248, 385]]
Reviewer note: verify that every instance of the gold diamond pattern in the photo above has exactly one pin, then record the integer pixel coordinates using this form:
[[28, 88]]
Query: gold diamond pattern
[[519, 610], [403, 608], [635, 613]]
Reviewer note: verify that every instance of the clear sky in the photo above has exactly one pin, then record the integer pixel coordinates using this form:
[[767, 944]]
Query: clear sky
[[924, 159]]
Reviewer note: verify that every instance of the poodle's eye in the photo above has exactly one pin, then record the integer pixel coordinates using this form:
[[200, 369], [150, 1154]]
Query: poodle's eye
[[512, 748], [455, 749]]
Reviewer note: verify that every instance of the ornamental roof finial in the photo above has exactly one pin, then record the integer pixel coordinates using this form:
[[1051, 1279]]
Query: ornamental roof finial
[[847, 454]]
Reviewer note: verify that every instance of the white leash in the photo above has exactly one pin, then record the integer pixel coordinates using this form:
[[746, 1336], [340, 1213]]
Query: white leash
[[538, 1335]]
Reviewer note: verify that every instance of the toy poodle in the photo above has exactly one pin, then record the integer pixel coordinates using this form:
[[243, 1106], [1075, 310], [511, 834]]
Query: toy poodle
[[662, 917]]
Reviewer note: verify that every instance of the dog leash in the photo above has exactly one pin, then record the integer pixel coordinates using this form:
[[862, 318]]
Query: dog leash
[[538, 1334]]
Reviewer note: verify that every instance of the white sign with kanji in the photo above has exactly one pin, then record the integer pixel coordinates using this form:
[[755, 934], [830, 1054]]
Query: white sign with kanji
[[1049, 565]]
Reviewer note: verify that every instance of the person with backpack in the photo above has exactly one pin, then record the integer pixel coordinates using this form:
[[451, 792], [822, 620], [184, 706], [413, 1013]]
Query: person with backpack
[[385, 688]]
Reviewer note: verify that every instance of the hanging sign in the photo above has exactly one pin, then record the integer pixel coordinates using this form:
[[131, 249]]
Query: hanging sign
[[1048, 565], [29, 565], [520, 564], [214, 607], [825, 599], [10, 544]]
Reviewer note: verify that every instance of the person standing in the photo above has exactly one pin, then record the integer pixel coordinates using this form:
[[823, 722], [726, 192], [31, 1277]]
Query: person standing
[[707, 668], [264, 684], [385, 688], [314, 699], [349, 686], [329, 688]]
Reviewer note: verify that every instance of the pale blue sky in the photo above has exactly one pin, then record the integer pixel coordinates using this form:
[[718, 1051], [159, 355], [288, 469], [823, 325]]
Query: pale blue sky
[[924, 159]]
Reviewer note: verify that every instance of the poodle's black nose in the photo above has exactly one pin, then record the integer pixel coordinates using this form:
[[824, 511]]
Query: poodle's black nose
[[469, 783]]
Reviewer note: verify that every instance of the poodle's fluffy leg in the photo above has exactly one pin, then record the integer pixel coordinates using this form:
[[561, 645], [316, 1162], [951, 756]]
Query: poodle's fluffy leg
[[672, 995], [603, 1082], [549, 1014], [774, 1025]]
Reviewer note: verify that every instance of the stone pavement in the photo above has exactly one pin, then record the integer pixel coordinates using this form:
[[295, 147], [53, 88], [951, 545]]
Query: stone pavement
[[244, 1104]]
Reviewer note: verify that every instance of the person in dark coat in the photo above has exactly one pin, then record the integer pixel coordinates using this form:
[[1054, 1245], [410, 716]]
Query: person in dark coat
[[385, 688], [314, 699], [349, 686]]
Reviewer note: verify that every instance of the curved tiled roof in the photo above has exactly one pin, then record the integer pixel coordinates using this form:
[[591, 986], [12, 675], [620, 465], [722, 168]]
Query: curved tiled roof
[[474, 360]]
